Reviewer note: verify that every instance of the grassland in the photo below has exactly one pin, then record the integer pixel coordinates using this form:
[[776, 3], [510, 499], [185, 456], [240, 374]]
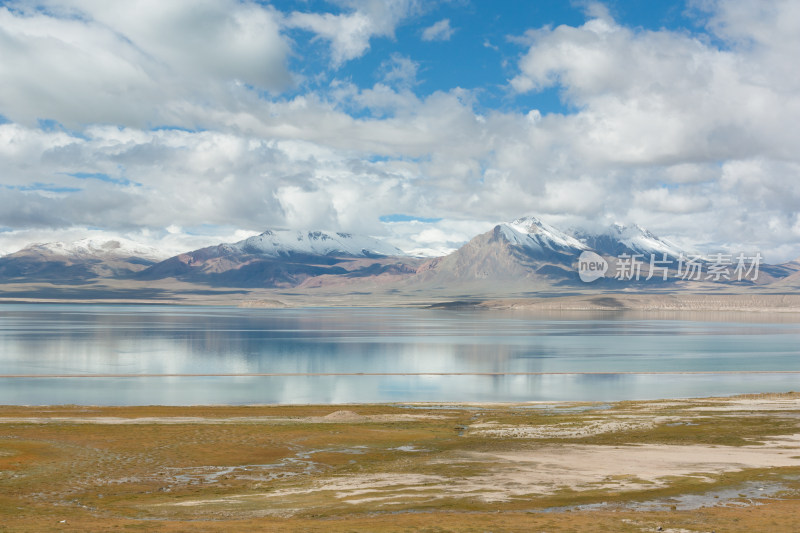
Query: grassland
[[680, 465]]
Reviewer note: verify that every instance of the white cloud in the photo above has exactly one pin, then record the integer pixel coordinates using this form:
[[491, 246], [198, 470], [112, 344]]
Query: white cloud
[[488, 44], [440, 31], [435, 238], [680, 132], [400, 71], [135, 63], [667, 129], [664, 201], [584, 196], [350, 33], [647, 96]]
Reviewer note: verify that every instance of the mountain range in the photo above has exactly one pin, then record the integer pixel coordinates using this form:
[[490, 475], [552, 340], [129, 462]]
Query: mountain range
[[283, 258], [525, 251], [77, 262]]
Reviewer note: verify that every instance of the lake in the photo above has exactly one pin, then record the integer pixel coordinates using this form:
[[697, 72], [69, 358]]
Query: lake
[[179, 355]]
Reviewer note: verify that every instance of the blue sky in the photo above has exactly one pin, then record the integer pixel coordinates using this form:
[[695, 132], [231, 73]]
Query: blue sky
[[480, 54], [190, 122]]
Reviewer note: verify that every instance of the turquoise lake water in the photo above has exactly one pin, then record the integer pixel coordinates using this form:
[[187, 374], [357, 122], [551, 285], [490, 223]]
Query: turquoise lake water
[[55, 354]]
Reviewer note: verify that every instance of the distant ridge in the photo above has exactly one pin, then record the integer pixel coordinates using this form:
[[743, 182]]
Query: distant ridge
[[77, 262], [526, 254], [287, 258], [531, 254], [278, 243], [630, 239], [525, 249]]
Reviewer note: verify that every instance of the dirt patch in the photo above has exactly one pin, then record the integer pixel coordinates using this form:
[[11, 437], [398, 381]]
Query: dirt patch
[[562, 430], [344, 416], [548, 470], [750, 404]]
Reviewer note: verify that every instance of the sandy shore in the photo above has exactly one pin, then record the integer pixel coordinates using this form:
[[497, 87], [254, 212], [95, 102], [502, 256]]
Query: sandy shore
[[742, 300], [751, 303]]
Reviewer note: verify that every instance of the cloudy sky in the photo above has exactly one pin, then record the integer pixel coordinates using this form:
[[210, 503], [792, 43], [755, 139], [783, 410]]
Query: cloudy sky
[[183, 123]]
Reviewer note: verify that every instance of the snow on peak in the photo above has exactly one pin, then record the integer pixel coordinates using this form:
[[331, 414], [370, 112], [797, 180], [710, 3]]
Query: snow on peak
[[277, 243], [111, 248], [641, 240], [530, 232]]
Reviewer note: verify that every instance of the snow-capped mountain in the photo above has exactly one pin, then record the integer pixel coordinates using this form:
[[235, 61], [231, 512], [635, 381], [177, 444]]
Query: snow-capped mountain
[[284, 258], [526, 250], [531, 233], [535, 252], [630, 239], [78, 261], [525, 255], [278, 243], [98, 248]]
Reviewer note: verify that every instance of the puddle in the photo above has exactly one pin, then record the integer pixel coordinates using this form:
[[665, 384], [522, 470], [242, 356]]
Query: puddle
[[355, 450], [409, 449], [444, 407], [300, 464], [744, 495], [568, 409], [489, 407], [266, 472]]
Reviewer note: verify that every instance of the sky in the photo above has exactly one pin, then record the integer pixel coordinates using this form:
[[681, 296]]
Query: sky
[[187, 123]]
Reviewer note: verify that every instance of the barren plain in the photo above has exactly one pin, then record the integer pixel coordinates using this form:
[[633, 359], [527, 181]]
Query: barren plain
[[714, 464]]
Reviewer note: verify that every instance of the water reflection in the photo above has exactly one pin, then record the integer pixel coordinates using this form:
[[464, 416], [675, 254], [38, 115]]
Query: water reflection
[[77, 339], [380, 389]]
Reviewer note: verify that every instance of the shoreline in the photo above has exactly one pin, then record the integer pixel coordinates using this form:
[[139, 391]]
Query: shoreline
[[654, 302], [772, 398], [677, 302]]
